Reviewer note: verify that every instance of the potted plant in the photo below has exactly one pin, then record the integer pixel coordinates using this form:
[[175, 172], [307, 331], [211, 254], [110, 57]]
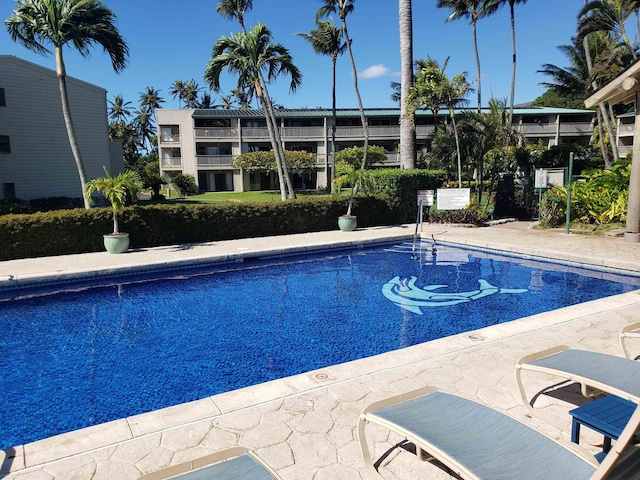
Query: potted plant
[[115, 190], [347, 174]]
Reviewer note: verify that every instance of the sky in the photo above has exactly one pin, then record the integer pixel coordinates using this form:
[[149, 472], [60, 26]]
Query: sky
[[171, 40]]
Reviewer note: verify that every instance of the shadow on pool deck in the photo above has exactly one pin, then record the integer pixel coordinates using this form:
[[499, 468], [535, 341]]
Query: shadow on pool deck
[[304, 426]]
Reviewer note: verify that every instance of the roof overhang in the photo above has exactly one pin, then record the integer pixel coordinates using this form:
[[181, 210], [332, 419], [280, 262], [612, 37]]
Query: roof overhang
[[621, 90]]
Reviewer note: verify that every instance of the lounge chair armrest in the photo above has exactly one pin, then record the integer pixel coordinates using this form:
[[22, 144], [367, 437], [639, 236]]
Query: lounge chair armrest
[[630, 331], [535, 356], [403, 397]]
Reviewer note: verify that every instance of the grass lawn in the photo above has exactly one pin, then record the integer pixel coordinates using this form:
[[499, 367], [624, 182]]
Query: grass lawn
[[260, 196]]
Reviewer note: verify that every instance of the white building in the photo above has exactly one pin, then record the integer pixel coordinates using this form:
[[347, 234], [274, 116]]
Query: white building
[[35, 156], [204, 143]]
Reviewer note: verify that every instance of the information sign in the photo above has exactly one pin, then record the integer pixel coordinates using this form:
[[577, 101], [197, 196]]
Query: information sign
[[453, 198]]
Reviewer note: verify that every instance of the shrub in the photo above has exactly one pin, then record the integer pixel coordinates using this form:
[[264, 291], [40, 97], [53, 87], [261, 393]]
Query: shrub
[[469, 216], [352, 156], [13, 206], [185, 183]]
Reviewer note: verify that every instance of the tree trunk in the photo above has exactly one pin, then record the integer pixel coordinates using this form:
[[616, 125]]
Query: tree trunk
[[603, 145], [407, 128], [455, 132], [274, 145], [71, 131], [334, 59], [475, 49], [513, 65], [116, 230]]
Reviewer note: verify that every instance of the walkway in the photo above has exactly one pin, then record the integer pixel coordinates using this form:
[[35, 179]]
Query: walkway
[[304, 426]]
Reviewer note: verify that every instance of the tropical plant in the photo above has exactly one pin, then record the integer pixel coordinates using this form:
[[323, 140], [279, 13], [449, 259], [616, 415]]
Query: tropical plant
[[80, 24], [190, 94], [144, 127], [344, 8], [116, 190], [119, 110], [151, 99], [353, 156], [185, 184], [327, 40], [297, 161], [177, 90], [248, 54], [152, 179], [407, 125]]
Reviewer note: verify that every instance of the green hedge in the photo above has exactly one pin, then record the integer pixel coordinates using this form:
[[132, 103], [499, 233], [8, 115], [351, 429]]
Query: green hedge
[[77, 231]]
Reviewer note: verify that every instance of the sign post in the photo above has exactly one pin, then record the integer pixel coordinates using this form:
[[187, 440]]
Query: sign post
[[425, 197]]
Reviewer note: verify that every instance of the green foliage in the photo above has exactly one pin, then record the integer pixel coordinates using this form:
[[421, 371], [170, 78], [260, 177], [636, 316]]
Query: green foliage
[[297, 162], [471, 216], [153, 180], [185, 183], [352, 156], [77, 231], [13, 206], [602, 198], [551, 98], [116, 190]]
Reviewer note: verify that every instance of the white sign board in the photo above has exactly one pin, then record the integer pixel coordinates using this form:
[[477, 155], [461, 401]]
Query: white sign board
[[426, 197], [541, 179], [453, 198]]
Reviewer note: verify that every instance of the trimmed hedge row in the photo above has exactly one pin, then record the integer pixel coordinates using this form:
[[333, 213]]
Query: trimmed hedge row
[[77, 231]]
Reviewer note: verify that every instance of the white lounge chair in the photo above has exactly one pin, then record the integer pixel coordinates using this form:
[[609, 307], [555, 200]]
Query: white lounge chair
[[598, 371], [478, 442], [630, 331], [235, 463]]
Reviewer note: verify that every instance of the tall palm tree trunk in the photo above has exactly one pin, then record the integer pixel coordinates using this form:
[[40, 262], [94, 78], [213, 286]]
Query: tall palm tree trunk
[[279, 152], [363, 119], [283, 186], [334, 59], [407, 129], [475, 49], [513, 64], [71, 131], [603, 146], [455, 132]]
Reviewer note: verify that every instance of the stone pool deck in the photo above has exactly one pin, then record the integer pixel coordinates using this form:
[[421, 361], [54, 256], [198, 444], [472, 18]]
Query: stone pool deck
[[305, 426]]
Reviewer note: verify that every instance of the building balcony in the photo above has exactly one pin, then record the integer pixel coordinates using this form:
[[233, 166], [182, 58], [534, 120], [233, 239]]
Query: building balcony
[[255, 132], [215, 160], [623, 150], [174, 138], [626, 130], [303, 132], [579, 128], [537, 128], [171, 162], [216, 132]]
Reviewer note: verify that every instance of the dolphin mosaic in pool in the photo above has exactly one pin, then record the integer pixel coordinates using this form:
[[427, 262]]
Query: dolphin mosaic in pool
[[408, 296]]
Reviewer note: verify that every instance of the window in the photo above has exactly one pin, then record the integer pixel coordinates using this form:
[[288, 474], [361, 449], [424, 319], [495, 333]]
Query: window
[[2, 102], [5, 146]]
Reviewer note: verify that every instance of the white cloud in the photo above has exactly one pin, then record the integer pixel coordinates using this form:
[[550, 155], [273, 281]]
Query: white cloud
[[374, 71]]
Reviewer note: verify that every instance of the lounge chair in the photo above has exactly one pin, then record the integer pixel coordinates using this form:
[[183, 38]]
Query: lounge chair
[[595, 372], [477, 442], [235, 463], [630, 331]]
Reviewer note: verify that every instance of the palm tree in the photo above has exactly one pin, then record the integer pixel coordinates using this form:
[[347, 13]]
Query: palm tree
[[327, 40], [608, 16], [343, 8], [177, 89], [453, 96], [426, 89], [407, 127], [492, 6], [230, 9], [151, 99], [190, 94], [248, 54], [79, 23], [119, 110], [234, 10], [473, 10], [144, 127]]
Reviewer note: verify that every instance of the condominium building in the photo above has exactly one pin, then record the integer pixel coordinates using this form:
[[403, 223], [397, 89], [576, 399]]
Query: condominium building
[[205, 143], [35, 156]]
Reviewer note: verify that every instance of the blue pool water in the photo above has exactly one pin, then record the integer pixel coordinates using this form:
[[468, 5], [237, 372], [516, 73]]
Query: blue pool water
[[82, 354]]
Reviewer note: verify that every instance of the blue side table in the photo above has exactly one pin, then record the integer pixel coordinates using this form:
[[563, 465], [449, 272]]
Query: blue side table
[[607, 415]]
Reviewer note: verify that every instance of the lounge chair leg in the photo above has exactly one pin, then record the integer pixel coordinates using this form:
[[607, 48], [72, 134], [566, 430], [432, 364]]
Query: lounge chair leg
[[423, 455]]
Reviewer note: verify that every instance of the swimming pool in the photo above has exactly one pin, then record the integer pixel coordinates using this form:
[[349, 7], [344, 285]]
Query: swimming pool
[[84, 354]]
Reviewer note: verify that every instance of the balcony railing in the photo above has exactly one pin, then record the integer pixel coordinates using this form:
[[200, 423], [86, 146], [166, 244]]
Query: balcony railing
[[303, 132], [537, 128], [171, 162], [626, 130], [173, 138], [623, 150], [216, 132], [255, 132], [218, 160], [423, 131], [583, 128]]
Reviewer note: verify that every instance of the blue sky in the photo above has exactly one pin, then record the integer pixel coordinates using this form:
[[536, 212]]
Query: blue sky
[[172, 40]]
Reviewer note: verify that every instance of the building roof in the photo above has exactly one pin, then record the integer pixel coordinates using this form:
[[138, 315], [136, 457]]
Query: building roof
[[369, 112]]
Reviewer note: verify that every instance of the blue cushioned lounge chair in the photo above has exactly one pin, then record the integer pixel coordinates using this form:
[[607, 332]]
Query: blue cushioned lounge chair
[[478, 442], [235, 463], [597, 371]]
